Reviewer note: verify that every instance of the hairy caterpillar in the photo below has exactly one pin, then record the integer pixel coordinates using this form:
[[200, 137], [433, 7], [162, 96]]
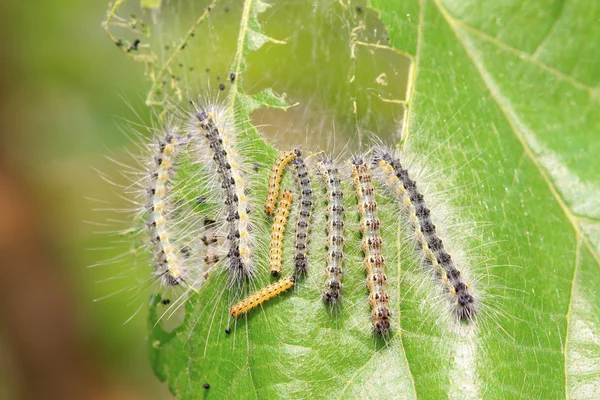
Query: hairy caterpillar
[[221, 144], [168, 265], [305, 213], [393, 175], [335, 230], [166, 230], [276, 246], [264, 294], [275, 179], [371, 244]]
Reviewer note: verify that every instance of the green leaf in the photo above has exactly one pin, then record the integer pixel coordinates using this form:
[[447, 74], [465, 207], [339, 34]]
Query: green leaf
[[505, 94]]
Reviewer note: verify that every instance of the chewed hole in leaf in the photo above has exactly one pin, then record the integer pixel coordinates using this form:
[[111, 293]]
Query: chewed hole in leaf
[[347, 83]]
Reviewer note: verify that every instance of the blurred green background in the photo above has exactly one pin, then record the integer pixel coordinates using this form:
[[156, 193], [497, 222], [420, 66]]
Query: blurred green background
[[63, 83]]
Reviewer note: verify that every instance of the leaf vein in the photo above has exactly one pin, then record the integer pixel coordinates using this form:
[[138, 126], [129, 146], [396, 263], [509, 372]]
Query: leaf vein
[[453, 22]]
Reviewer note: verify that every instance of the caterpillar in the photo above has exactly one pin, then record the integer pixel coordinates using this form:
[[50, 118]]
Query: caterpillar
[[220, 138], [264, 294], [335, 230], [392, 174], [276, 246], [164, 252], [305, 212], [275, 179], [168, 266], [371, 244]]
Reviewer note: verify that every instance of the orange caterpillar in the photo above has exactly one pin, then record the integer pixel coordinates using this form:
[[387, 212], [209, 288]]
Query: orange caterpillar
[[275, 179], [276, 246], [264, 294]]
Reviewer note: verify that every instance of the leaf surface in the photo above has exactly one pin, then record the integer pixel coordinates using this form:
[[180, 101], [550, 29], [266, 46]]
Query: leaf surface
[[503, 98]]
